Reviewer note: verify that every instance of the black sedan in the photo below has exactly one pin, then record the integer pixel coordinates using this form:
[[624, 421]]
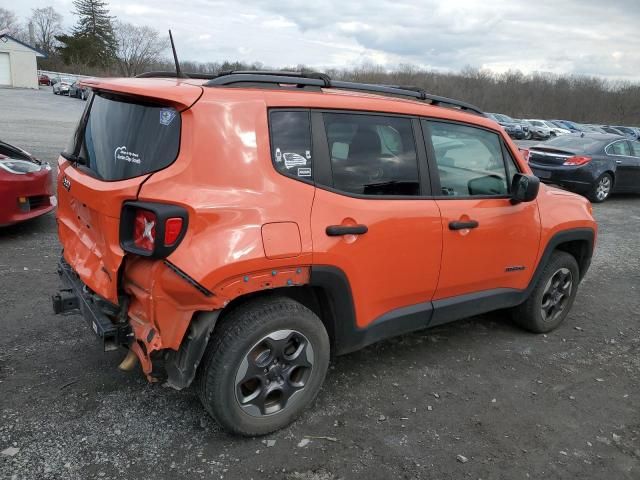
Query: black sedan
[[595, 165], [78, 91]]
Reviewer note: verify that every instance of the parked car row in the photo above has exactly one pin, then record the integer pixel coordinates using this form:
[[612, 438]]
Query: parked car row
[[538, 129], [66, 85], [70, 87]]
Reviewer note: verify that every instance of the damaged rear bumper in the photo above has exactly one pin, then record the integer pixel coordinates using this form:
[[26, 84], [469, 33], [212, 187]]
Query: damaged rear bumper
[[76, 297]]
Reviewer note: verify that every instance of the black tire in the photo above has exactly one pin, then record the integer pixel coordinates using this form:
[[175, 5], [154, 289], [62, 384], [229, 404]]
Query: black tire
[[601, 189], [532, 314], [225, 375]]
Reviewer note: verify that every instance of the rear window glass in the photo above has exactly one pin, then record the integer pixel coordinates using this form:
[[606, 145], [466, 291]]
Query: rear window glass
[[122, 139], [372, 154], [291, 143], [574, 142]]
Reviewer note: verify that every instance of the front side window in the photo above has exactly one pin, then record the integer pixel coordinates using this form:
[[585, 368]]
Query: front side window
[[291, 143], [470, 160], [618, 148], [372, 154], [635, 149]]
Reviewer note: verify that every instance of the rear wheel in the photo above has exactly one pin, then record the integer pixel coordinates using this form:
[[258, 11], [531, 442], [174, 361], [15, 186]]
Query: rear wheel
[[601, 189], [264, 364], [552, 297]]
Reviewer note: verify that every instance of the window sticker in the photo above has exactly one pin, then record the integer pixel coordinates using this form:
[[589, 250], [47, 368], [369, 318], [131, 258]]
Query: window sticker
[[167, 115], [278, 155], [121, 153], [292, 159], [304, 172], [308, 154]]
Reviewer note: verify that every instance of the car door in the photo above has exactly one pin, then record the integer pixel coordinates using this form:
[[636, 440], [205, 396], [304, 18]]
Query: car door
[[635, 168], [626, 155], [372, 217], [489, 244]]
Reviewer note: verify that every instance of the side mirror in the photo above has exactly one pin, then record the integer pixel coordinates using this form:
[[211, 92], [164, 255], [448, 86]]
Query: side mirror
[[524, 188]]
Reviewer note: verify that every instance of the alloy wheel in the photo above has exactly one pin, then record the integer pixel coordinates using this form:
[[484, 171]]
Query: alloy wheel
[[273, 372], [556, 294], [603, 188]]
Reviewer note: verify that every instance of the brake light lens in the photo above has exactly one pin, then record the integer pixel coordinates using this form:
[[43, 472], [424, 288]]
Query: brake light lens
[[144, 230], [152, 229], [577, 161], [172, 230]]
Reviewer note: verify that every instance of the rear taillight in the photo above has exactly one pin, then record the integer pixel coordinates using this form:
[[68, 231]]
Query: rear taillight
[[144, 230], [152, 229], [172, 230], [577, 161]]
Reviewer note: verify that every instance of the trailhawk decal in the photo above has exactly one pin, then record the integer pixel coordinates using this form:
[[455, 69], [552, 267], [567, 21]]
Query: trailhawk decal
[[121, 153]]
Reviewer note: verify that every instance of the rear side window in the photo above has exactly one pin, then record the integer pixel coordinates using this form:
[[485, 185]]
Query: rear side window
[[470, 160], [121, 139], [372, 154], [291, 143], [618, 148]]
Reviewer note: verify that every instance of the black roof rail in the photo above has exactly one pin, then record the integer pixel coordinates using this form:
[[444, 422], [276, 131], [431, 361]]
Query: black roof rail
[[315, 79], [197, 76]]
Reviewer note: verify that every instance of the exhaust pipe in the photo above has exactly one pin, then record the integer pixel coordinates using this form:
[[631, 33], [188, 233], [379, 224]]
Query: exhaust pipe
[[129, 362]]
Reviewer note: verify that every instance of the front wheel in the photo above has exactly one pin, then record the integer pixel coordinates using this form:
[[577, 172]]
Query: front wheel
[[601, 189], [552, 297], [265, 363]]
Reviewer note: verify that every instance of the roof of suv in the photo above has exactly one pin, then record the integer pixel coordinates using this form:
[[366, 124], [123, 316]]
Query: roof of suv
[[186, 91], [169, 86]]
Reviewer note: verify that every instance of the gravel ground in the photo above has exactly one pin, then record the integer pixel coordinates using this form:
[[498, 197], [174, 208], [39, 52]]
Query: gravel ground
[[512, 404]]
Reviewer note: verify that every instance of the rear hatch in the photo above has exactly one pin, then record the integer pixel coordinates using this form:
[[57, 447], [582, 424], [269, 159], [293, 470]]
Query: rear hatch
[[555, 152], [549, 156], [129, 130]]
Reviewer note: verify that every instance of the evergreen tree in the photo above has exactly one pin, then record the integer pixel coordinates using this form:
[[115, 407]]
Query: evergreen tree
[[93, 32]]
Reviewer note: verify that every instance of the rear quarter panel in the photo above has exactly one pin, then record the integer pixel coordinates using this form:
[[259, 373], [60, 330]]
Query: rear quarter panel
[[224, 178]]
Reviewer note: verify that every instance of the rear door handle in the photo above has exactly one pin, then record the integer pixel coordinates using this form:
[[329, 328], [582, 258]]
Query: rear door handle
[[463, 225], [618, 162], [338, 230]]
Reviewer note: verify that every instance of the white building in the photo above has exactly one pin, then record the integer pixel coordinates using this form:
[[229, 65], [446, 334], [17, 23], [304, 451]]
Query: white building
[[18, 67]]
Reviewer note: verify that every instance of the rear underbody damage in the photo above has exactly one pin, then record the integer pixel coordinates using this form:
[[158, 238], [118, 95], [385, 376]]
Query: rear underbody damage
[[164, 317]]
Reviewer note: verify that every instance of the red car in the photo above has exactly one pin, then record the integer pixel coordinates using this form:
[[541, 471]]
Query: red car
[[26, 186], [44, 80]]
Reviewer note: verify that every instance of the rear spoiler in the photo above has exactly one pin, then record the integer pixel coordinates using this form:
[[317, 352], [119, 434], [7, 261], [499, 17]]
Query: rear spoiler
[[173, 91]]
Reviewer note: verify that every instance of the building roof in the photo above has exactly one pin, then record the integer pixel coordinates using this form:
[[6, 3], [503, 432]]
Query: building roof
[[39, 53]]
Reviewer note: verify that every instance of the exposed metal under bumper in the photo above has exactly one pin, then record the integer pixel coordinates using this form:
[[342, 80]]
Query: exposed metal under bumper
[[78, 299]]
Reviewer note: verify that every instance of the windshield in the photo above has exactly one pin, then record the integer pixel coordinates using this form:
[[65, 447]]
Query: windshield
[[118, 138], [505, 118]]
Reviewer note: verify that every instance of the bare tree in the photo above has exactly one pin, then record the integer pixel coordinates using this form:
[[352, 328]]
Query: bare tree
[[47, 23], [138, 48], [8, 20]]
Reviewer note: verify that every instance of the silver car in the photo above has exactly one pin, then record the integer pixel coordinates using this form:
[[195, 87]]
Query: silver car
[[61, 87]]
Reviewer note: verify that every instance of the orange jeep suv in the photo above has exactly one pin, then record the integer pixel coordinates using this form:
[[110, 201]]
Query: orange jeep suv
[[235, 231]]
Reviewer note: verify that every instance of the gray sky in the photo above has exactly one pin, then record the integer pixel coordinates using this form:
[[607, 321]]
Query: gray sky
[[590, 37]]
